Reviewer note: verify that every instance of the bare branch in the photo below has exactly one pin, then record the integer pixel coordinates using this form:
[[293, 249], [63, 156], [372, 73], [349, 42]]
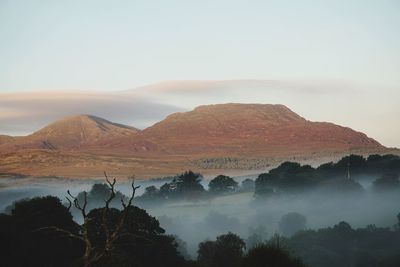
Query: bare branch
[[91, 256], [123, 202], [59, 230], [84, 204], [76, 202], [69, 203], [133, 192], [112, 190]]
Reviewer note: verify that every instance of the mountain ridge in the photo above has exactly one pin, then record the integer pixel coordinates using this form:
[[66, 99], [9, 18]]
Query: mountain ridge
[[265, 133]]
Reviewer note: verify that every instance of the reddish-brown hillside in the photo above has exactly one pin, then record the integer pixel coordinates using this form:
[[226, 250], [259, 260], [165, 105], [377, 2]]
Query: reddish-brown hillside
[[213, 137], [251, 128], [6, 139], [73, 132]]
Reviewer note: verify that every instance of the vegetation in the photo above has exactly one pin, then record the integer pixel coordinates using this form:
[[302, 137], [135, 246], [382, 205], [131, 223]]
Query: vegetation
[[342, 245], [42, 232], [222, 184], [271, 253], [188, 186], [292, 177], [291, 223], [247, 185], [389, 181], [226, 250]]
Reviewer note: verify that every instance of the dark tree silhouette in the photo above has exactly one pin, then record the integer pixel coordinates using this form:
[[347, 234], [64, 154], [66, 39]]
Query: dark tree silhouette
[[227, 250], [186, 185], [288, 177], [189, 183], [92, 253], [24, 241], [342, 245], [271, 254], [42, 230], [247, 185], [389, 181], [222, 184]]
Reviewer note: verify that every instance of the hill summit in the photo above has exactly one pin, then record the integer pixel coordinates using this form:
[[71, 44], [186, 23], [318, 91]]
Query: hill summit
[[211, 137], [252, 128], [74, 132]]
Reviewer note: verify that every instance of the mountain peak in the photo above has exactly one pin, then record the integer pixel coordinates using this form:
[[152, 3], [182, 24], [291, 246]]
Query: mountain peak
[[251, 129], [267, 111], [210, 135], [87, 119], [75, 131], [230, 120]]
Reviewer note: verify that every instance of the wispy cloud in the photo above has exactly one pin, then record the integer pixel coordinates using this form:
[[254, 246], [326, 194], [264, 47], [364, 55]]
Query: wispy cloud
[[23, 113], [371, 111]]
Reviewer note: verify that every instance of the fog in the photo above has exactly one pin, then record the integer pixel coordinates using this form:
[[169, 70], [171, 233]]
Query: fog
[[241, 213]]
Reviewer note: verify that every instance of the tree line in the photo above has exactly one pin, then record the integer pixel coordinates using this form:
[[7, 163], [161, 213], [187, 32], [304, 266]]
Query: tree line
[[288, 177], [41, 232]]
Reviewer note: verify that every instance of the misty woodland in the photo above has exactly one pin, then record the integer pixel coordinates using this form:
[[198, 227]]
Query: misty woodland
[[105, 227]]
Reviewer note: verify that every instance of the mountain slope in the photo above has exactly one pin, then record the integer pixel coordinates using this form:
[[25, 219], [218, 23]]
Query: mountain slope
[[251, 128], [211, 139], [6, 139], [73, 132]]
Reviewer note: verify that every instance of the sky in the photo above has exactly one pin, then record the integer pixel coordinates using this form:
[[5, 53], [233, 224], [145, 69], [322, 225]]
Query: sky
[[332, 60]]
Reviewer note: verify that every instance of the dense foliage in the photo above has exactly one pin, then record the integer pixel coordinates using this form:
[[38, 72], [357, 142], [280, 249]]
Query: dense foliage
[[342, 245], [222, 184], [333, 177], [41, 231]]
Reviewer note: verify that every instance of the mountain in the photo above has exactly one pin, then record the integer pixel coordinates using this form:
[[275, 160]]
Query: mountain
[[73, 132], [252, 129], [212, 139], [6, 139]]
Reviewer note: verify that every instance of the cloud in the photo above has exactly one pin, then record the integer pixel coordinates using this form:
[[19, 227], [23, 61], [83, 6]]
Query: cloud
[[366, 108], [23, 113]]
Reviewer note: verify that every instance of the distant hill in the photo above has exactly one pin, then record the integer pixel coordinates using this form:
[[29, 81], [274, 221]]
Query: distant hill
[[73, 132], [223, 136], [5, 139], [252, 129]]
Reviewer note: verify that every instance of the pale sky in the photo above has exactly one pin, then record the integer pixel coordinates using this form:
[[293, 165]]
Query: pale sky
[[116, 45], [346, 52]]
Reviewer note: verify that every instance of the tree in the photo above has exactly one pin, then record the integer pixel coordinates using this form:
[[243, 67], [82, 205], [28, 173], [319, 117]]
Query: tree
[[291, 223], [341, 185], [189, 183], [24, 241], [271, 254], [264, 185], [141, 241], [227, 250], [257, 236], [247, 185], [112, 237], [222, 184], [40, 212], [388, 181], [186, 185], [151, 193], [287, 177], [207, 253], [341, 245]]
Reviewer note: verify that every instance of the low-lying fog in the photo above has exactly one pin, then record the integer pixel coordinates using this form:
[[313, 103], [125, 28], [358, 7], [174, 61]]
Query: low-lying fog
[[240, 213]]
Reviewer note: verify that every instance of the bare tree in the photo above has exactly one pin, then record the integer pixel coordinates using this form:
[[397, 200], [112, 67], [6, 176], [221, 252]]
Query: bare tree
[[112, 234]]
